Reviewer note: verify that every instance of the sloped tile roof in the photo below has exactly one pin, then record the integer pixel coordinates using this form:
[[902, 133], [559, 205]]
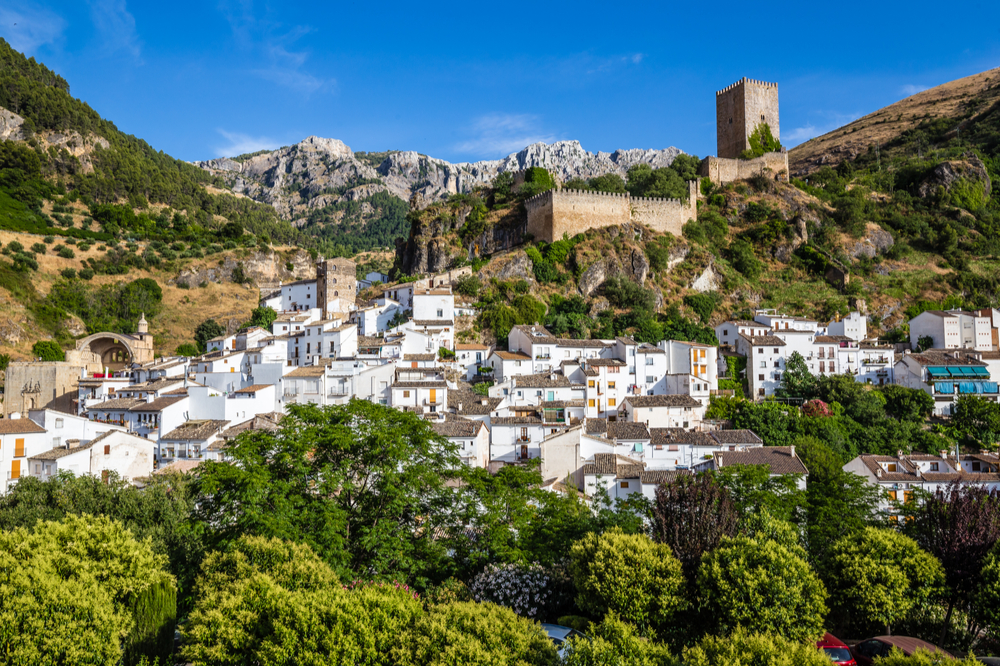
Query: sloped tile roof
[[619, 430], [780, 460], [663, 401], [17, 426]]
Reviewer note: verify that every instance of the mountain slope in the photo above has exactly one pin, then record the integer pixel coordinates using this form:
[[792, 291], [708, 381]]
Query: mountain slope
[[318, 183], [960, 101]]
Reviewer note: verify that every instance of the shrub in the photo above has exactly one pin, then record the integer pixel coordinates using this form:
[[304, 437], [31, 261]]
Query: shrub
[[186, 350], [86, 274], [614, 642], [745, 648], [49, 239], [529, 590], [470, 633], [48, 350], [469, 285], [762, 586], [67, 253], [68, 274], [703, 304], [631, 575], [39, 248]]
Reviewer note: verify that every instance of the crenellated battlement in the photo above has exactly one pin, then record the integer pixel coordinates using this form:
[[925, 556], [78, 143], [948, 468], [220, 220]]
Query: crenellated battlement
[[568, 211], [744, 81]]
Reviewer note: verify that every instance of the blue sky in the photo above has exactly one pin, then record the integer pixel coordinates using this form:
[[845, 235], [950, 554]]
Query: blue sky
[[470, 81]]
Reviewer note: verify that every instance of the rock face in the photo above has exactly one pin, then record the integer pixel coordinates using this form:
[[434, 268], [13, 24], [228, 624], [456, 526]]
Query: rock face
[[708, 281], [875, 242], [946, 174], [10, 125], [263, 268], [317, 172], [516, 266]]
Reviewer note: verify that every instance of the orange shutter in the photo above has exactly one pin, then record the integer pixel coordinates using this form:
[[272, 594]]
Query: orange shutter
[[19, 447], [433, 395], [15, 470]]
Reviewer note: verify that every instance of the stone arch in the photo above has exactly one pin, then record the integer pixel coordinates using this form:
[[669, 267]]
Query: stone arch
[[114, 350]]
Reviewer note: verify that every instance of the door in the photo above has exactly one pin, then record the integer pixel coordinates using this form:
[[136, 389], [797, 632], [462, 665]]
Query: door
[[524, 451], [413, 364], [433, 395], [19, 447], [15, 470], [550, 396]]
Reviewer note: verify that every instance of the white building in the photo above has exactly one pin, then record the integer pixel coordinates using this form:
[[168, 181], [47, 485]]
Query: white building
[[778, 460], [953, 329], [126, 454], [20, 439], [472, 437], [946, 375]]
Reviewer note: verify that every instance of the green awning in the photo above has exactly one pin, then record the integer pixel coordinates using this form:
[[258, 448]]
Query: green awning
[[979, 371], [937, 370], [956, 371]]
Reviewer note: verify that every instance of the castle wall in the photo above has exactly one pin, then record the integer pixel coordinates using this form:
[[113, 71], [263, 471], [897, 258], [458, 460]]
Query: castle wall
[[336, 285], [739, 109], [726, 170], [555, 213]]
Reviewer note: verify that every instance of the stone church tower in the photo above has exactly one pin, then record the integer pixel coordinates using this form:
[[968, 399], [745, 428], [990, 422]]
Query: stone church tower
[[739, 109]]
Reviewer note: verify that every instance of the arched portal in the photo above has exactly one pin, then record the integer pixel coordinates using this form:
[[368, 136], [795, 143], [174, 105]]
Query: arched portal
[[114, 350]]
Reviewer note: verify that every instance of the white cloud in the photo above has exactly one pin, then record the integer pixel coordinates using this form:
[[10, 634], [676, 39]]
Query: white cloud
[[498, 135], [800, 134], [116, 26], [912, 89], [834, 120], [271, 46], [28, 27], [614, 63], [239, 144]]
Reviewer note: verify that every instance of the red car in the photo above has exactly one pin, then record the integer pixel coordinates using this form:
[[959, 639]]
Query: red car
[[838, 651], [878, 647]]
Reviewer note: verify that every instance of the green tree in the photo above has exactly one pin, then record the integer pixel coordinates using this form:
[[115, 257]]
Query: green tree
[[762, 586], [796, 380], [761, 141], [631, 575], [925, 343], [744, 260], [922, 656], [363, 484], [743, 647], [905, 404], [48, 350], [470, 633], [615, 642], [206, 331], [263, 317], [977, 420], [266, 601], [878, 575], [986, 599], [753, 490], [82, 590], [187, 350]]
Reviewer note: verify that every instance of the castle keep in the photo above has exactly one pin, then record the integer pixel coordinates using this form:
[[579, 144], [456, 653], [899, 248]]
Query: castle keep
[[556, 212], [739, 109]]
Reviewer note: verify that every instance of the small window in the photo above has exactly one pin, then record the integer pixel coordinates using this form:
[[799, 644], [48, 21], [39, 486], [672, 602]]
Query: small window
[[760, 350], [934, 467], [976, 466], [59, 423], [725, 332], [776, 350], [891, 467], [649, 361], [760, 378], [590, 383], [611, 402], [107, 450], [406, 394], [624, 485], [611, 385], [591, 403]]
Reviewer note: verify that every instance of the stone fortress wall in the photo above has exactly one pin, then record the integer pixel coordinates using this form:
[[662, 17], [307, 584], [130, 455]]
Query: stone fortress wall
[[553, 213], [723, 170]]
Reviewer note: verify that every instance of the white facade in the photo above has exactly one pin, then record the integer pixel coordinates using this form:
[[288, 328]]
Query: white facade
[[953, 329]]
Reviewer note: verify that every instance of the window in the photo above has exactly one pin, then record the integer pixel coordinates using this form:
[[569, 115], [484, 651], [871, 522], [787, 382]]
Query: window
[[701, 353], [891, 467], [760, 378], [590, 383], [624, 485], [611, 402], [440, 313], [776, 350], [649, 361], [406, 394], [776, 364], [763, 364], [59, 423], [777, 376], [760, 350], [56, 441], [611, 385], [907, 496], [760, 392], [976, 466], [725, 332], [822, 367], [650, 379], [934, 467], [892, 496], [591, 403], [19, 447]]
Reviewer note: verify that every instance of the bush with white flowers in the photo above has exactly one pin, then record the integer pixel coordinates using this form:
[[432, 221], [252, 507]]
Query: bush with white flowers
[[528, 590]]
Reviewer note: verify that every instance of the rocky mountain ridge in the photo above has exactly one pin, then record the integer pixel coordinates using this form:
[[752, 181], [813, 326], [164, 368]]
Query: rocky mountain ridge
[[318, 172]]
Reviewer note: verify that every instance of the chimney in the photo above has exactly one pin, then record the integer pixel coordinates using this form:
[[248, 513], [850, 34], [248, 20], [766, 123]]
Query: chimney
[[485, 401], [899, 453], [459, 407], [944, 453], [791, 451], [878, 471]]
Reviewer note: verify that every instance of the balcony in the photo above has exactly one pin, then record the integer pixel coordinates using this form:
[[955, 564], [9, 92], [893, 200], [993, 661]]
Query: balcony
[[879, 360]]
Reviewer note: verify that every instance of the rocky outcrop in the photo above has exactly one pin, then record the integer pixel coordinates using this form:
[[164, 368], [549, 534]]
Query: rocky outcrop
[[708, 281], [946, 174], [597, 273], [637, 266], [263, 268], [317, 172], [10, 125], [515, 266], [875, 242]]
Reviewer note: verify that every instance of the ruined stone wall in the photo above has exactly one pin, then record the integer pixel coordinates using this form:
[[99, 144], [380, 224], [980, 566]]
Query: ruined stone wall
[[726, 170], [739, 109], [336, 284], [554, 213]]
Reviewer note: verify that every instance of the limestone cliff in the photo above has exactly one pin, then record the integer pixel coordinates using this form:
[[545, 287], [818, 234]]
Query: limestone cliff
[[318, 172]]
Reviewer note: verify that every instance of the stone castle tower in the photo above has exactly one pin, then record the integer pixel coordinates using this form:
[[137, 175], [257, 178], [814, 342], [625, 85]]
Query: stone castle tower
[[739, 109], [336, 285]]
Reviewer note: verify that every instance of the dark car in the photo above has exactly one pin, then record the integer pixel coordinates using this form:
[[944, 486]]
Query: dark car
[[836, 650], [878, 647]]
